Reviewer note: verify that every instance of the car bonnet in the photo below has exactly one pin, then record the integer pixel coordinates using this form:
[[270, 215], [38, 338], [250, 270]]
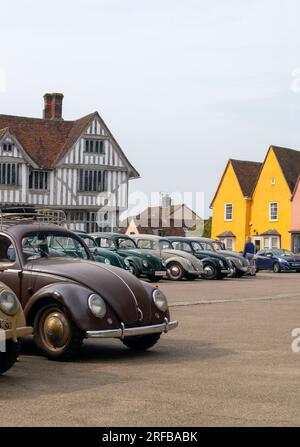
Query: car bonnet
[[120, 289]]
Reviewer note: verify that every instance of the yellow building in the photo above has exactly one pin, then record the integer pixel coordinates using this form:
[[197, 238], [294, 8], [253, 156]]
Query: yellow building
[[231, 204], [255, 199]]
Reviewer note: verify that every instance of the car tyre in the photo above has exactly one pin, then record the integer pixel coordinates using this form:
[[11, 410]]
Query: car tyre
[[141, 342], [175, 271], [133, 269], [190, 277], [210, 272], [55, 334], [9, 357], [276, 267]]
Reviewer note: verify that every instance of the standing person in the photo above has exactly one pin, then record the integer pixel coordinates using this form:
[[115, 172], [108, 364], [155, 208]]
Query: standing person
[[248, 253]]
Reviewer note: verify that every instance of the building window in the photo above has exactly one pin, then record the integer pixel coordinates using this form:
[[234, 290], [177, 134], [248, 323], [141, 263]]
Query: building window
[[9, 173], [94, 146], [273, 211], [273, 181], [275, 243], [38, 180], [228, 212], [92, 181], [7, 147], [266, 243], [77, 216]]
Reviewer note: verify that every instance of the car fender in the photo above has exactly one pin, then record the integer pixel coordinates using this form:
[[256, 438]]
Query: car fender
[[183, 262], [138, 262], [212, 261], [71, 295]]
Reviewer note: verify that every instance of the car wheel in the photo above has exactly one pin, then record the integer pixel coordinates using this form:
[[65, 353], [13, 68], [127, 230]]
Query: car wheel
[[55, 334], [133, 269], [276, 267], [8, 358], [210, 271], [141, 342], [175, 271]]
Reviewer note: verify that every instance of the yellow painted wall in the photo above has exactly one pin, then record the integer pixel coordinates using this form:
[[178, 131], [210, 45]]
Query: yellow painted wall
[[265, 193], [230, 192]]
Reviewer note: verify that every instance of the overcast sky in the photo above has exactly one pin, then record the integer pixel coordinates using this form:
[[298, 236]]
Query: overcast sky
[[183, 85]]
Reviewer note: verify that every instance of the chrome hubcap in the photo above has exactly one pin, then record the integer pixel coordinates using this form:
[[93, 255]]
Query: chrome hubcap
[[55, 330], [209, 271], [175, 270]]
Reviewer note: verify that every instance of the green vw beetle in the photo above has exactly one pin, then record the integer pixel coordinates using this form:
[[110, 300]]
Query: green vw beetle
[[140, 262], [104, 255]]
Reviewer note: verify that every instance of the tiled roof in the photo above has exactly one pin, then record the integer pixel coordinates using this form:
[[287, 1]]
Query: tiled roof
[[45, 141], [289, 161], [247, 173], [270, 232]]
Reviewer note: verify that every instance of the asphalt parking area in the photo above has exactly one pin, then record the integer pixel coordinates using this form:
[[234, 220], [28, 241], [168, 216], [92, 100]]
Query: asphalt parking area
[[229, 363]]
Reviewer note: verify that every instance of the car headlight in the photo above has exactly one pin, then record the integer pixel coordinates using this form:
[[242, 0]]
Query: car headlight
[[282, 260], [160, 300], [164, 264], [9, 303], [107, 261], [97, 305], [145, 263]]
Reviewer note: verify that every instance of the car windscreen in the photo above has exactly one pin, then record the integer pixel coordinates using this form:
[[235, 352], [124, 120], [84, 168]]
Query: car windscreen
[[283, 253], [126, 243], [165, 245], [46, 244]]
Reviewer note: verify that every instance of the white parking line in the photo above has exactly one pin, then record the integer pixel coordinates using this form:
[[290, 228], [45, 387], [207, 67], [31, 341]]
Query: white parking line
[[235, 300]]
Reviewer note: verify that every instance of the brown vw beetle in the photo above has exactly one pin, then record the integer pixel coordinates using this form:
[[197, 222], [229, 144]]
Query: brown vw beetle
[[67, 296], [13, 327]]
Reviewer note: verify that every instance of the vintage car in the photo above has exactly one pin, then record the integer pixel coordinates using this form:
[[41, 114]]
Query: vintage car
[[277, 260], [69, 299], [12, 326], [180, 264], [104, 255], [141, 263], [240, 265], [215, 266]]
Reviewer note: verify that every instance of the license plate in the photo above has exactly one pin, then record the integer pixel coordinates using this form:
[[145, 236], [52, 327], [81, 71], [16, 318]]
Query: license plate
[[160, 273]]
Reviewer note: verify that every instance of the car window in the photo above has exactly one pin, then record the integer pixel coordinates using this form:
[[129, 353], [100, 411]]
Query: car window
[[89, 242], [196, 246], [126, 243], [106, 243], [180, 245], [146, 244], [165, 245], [51, 245], [206, 246], [7, 250], [261, 253]]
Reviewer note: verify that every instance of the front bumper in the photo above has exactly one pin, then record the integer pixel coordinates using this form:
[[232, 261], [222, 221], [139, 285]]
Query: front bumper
[[123, 332], [15, 333]]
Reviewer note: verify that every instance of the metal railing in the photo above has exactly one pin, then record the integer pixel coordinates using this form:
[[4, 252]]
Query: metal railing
[[57, 217]]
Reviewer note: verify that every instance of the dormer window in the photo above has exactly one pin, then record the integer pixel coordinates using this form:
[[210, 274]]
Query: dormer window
[[7, 147], [94, 146]]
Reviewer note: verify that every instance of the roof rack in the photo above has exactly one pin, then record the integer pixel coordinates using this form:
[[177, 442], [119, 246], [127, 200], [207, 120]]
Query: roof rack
[[57, 217]]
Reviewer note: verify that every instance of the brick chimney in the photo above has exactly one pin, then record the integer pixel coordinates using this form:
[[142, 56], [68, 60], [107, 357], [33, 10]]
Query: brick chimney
[[53, 106]]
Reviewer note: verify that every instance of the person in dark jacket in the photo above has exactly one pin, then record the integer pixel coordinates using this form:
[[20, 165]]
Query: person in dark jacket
[[249, 249]]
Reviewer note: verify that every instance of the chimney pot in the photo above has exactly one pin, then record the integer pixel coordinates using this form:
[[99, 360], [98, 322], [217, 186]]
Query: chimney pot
[[53, 106]]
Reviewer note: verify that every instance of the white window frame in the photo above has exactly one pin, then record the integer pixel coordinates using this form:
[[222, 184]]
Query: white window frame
[[266, 243], [226, 240], [225, 212], [273, 181], [270, 212], [277, 244]]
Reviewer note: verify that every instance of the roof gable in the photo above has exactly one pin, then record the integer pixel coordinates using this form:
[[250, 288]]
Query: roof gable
[[47, 141], [289, 162], [246, 172]]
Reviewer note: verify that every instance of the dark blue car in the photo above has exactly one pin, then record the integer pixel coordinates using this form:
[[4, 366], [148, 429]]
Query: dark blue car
[[277, 260]]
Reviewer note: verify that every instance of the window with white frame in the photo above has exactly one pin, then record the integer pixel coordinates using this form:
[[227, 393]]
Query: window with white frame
[[229, 243], [7, 147], [275, 242], [9, 174], [228, 211], [273, 211], [38, 180], [266, 242]]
